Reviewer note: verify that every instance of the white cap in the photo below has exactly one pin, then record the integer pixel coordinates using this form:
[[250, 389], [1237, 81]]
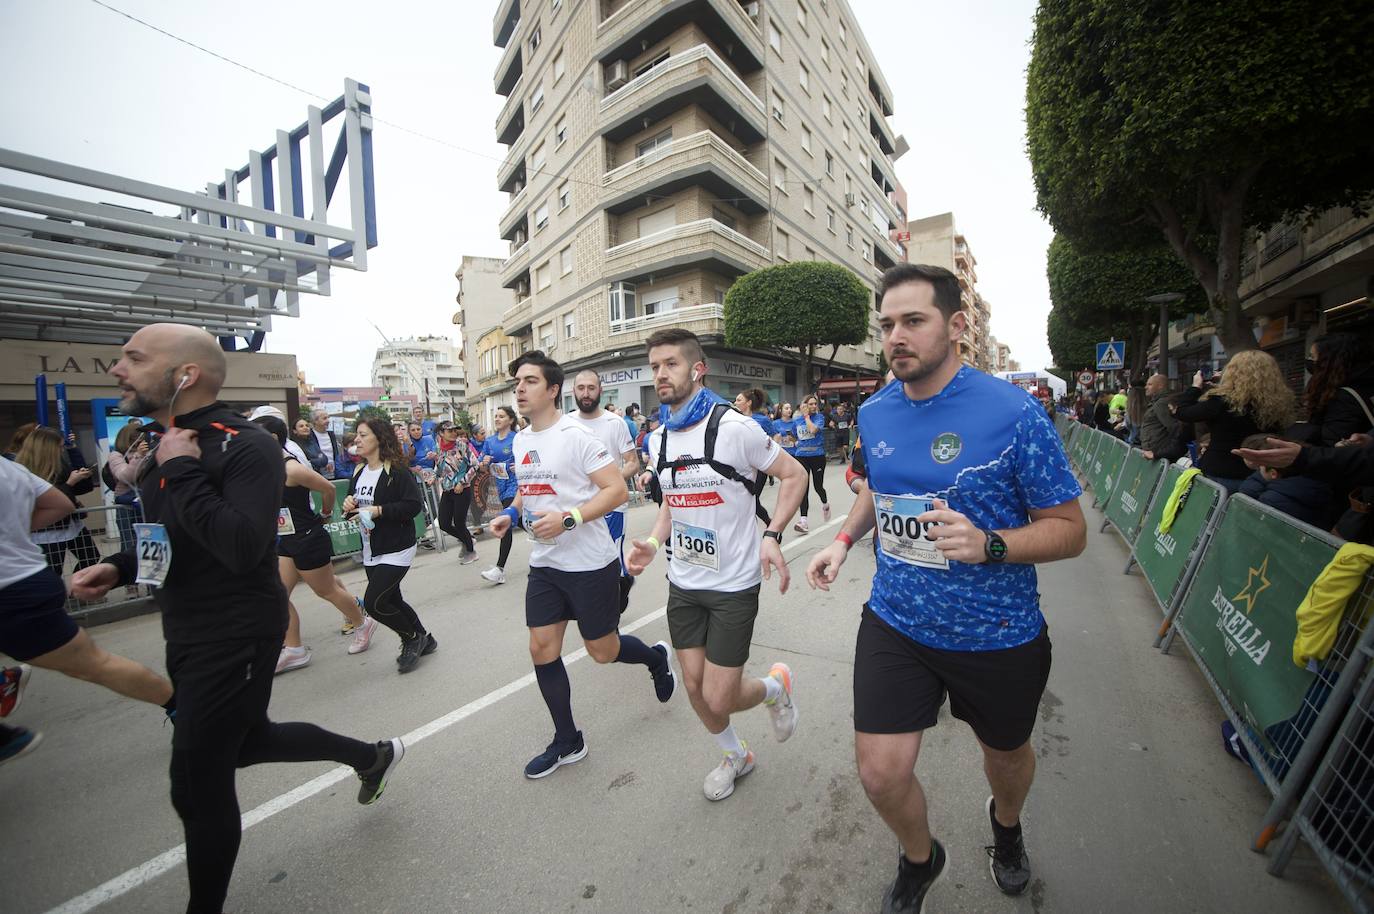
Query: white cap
[[267, 410]]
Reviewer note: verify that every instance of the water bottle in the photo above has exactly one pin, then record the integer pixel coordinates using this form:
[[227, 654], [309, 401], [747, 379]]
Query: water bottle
[[365, 518]]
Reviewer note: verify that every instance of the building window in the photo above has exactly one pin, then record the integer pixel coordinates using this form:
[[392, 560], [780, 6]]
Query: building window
[[537, 158], [784, 245], [649, 65], [849, 235], [541, 277], [623, 302], [830, 219], [801, 15], [806, 140], [569, 325], [559, 66], [541, 215], [560, 132], [660, 221], [780, 175], [848, 186], [723, 217], [565, 261], [845, 133], [825, 52], [644, 147], [844, 84], [779, 112], [810, 254], [546, 336], [536, 39], [563, 195], [555, 6], [805, 79], [825, 106], [808, 200], [537, 99], [859, 62], [829, 164], [868, 251], [661, 301], [774, 38], [842, 33]]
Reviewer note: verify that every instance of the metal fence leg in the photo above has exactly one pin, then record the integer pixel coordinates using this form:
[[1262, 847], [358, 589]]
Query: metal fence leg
[[1285, 850], [1130, 563]]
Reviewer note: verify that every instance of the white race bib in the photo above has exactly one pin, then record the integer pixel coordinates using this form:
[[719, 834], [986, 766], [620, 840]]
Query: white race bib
[[285, 525], [527, 522], [901, 535], [789, 441], [695, 545], [804, 433], [154, 551], [498, 470]]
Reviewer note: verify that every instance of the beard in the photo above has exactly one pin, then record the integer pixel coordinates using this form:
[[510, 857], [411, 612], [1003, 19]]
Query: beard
[[588, 404], [677, 396], [147, 402], [923, 366]]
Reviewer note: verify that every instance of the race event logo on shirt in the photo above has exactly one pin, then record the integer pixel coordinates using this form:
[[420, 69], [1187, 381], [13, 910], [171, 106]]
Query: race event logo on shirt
[[946, 447], [533, 479]]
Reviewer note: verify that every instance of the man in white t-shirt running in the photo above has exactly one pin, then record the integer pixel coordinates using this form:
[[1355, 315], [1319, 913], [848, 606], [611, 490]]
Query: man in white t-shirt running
[[611, 431], [718, 560], [568, 482]]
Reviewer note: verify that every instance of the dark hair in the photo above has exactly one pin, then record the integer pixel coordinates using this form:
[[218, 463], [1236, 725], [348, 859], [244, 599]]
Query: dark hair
[[388, 448], [275, 427], [756, 397], [945, 284], [551, 370], [684, 340], [632, 408], [509, 411], [1340, 356]]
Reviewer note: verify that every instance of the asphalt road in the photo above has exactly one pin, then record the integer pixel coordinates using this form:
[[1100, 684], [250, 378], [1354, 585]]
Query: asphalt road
[[1135, 806]]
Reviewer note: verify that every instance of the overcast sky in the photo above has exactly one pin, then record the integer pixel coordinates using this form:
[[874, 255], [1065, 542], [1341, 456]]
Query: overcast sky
[[92, 88]]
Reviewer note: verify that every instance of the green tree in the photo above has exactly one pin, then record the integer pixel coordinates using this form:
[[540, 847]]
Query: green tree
[[374, 412], [1102, 294], [803, 306], [1200, 123]]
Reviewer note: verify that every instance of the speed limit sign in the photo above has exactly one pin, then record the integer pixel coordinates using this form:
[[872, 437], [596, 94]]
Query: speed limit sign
[[1085, 379]]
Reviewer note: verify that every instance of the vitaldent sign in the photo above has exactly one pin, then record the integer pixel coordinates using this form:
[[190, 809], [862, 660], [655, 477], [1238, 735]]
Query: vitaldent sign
[[615, 375]]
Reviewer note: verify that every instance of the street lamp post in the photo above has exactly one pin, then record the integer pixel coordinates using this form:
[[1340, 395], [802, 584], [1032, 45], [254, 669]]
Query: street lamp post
[[1164, 300]]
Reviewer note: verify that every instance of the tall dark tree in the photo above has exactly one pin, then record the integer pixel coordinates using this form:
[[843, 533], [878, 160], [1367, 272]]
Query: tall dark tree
[[804, 306], [1199, 122]]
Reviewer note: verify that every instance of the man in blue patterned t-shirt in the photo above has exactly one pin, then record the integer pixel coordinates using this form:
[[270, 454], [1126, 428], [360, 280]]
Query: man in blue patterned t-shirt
[[969, 488]]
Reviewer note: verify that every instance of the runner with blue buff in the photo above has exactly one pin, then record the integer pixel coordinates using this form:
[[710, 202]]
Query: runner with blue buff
[[969, 488], [498, 456]]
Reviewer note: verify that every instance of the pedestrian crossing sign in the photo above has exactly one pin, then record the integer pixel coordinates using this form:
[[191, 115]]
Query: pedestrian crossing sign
[[1111, 356]]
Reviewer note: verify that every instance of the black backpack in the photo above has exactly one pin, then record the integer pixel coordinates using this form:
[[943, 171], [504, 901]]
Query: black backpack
[[754, 486]]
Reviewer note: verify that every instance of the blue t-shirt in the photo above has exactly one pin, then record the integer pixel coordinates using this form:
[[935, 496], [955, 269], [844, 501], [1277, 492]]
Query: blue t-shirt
[[813, 446], [987, 448], [786, 429], [764, 423], [501, 451]]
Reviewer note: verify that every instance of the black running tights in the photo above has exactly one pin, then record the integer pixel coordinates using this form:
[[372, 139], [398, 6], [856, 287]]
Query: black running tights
[[222, 692], [453, 515], [508, 538], [383, 600], [816, 467]]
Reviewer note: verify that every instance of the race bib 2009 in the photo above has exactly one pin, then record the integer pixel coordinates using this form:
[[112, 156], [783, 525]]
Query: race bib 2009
[[901, 535], [695, 545]]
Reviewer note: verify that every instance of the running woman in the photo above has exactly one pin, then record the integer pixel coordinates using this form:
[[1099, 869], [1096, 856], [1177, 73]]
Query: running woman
[[611, 431], [969, 489], [455, 464], [751, 403], [718, 559], [498, 456], [385, 498], [568, 483], [211, 493], [809, 429], [305, 552]]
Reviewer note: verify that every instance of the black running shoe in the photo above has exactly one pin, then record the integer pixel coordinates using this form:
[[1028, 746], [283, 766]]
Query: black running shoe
[[1007, 860], [431, 645], [556, 756], [908, 892], [411, 649], [389, 755], [665, 683]]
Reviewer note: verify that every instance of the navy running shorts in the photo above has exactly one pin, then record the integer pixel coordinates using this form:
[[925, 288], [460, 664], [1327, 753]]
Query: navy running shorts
[[33, 616], [592, 598]]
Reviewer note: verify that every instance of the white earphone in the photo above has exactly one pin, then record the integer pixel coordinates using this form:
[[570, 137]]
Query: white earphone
[[695, 375]]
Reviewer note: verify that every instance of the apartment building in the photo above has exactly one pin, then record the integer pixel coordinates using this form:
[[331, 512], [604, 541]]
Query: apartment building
[[429, 368], [935, 240], [659, 150], [482, 301]]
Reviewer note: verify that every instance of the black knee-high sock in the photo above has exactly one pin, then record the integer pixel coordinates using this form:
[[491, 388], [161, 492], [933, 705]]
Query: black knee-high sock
[[632, 650], [557, 692]]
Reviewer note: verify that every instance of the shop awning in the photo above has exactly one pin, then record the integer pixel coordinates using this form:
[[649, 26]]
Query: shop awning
[[847, 385]]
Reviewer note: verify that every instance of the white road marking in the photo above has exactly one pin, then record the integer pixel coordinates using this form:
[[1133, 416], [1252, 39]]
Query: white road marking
[[148, 871]]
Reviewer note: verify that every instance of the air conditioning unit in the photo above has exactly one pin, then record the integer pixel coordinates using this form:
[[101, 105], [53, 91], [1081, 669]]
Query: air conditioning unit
[[848, 199], [617, 75], [752, 10]]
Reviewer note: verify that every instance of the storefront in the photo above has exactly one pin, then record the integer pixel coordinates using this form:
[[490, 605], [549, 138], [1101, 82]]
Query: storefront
[[623, 383]]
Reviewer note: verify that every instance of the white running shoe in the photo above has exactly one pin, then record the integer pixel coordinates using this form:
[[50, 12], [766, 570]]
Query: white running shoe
[[290, 659], [825, 512], [720, 783], [495, 575], [362, 636], [468, 557], [782, 713], [802, 526]]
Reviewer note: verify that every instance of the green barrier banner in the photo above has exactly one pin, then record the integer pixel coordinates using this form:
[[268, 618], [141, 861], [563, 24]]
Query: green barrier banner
[[1239, 615], [1163, 557], [344, 535], [1128, 504], [1106, 469], [1087, 440]]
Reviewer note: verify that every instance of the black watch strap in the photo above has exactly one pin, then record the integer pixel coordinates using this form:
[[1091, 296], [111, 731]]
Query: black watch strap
[[773, 535], [995, 548]]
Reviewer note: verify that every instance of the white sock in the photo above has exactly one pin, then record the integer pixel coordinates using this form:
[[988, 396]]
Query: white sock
[[772, 689], [728, 742]]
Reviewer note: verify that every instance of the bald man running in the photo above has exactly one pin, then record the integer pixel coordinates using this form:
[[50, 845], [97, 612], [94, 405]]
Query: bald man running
[[211, 494]]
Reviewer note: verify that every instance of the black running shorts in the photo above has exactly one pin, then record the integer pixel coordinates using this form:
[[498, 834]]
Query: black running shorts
[[592, 598], [723, 623], [33, 616], [900, 684], [309, 549]]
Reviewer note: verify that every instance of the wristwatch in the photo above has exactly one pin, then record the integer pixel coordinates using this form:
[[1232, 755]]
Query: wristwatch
[[995, 548], [569, 522], [773, 535]]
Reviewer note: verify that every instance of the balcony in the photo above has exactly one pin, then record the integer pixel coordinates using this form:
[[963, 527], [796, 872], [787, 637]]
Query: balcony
[[515, 214], [518, 317], [701, 159], [504, 22], [882, 134], [696, 76], [510, 69], [512, 123], [704, 241], [703, 320], [635, 26], [517, 263], [511, 171]]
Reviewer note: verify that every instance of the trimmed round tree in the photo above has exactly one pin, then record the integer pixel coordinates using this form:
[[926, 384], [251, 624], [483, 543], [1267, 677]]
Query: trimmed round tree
[[803, 306]]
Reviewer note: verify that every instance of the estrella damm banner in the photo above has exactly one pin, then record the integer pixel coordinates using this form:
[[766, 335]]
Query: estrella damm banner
[[1239, 615], [1132, 497], [1163, 557], [343, 534], [1106, 469]]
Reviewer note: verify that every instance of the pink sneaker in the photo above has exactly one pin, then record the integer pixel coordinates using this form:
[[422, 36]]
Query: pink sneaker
[[825, 512], [290, 659], [12, 687], [362, 636]]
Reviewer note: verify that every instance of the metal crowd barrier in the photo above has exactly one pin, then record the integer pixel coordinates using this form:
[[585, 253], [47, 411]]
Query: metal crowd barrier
[[1138, 480], [87, 545], [1106, 468]]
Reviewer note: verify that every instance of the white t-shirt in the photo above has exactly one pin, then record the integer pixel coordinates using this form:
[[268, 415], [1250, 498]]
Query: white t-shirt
[[362, 494], [296, 451], [554, 468], [611, 431], [326, 446], [19, 556], [715, 537]]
